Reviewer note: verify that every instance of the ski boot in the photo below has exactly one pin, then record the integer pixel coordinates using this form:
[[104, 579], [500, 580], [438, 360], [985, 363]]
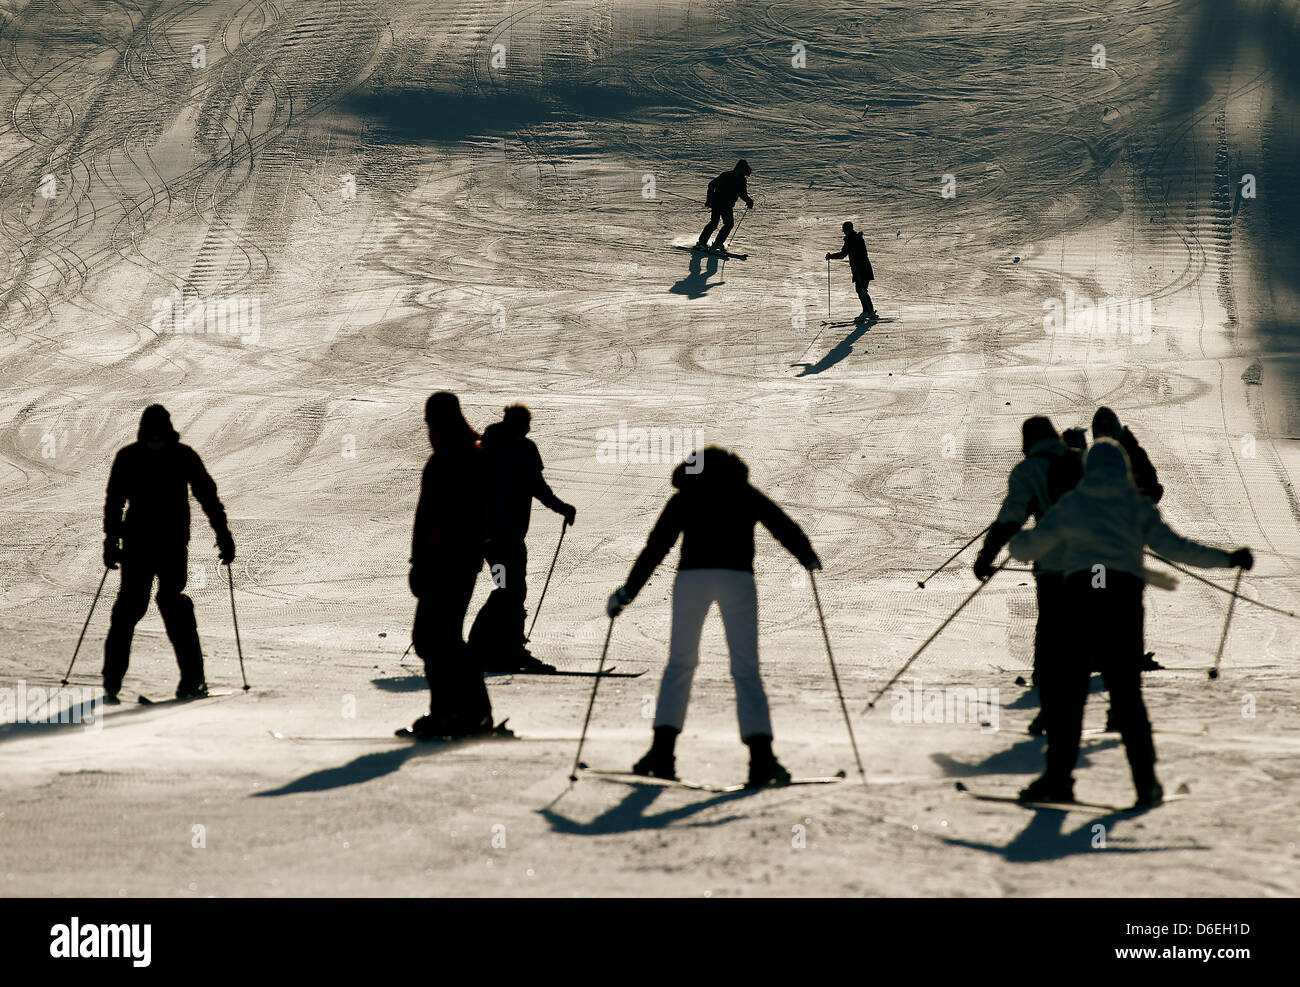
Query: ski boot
[[1149, 663], [701, 244], [659, 761], [429, 727], [188, 690], [111, 689], [529, 663], [1149, 795], [764, 768], [1045, 789]]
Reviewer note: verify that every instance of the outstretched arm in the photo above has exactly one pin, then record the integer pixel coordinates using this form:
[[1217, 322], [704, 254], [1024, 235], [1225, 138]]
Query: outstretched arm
[[1167, 542], [786, 531], [1033, 543], [662, 538]]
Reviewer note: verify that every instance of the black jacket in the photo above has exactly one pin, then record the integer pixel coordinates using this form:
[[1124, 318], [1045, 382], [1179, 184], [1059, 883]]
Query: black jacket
[[154, 486], [449, 517], [855, 249], [514, 478], [1144, 472], [726, 189], [715, 511]]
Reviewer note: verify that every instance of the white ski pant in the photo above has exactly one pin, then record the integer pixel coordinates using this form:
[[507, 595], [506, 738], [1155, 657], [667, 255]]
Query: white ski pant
[[694, 592]]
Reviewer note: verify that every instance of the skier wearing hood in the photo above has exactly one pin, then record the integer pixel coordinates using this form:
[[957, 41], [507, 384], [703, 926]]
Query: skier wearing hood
[[446, 556], [714, 511], [1049, 470], [152, 478], [514, 478], [721, 197], [1102, 527]]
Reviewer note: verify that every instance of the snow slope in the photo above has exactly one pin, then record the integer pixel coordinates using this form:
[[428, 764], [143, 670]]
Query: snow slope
[[501, 244]]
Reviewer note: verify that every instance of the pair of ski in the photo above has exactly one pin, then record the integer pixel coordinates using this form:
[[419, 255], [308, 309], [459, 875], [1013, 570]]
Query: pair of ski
[[146, 701], [722, 253], [1077, 805], [608, 673], [632, 778]]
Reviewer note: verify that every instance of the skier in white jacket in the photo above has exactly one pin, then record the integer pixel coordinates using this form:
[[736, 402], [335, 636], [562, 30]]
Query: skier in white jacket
[[1104, 525]]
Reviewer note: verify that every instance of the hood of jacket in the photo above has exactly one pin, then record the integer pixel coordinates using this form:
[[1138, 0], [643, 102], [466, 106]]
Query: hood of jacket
[[156, 422], [1106, 471], [714, 470]]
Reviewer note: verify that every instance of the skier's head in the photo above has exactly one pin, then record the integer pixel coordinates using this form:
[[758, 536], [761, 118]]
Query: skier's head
[[1105, 424], [447, 426], [156, 427], [743, 167], [518, 418], [712, 470], [847, 227], [1106, 463], [1034, 430]]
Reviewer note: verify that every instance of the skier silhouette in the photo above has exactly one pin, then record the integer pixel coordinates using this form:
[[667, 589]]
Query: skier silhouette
[[714, 511], [855, 249], [152, 478], [514, 478], [1103, 525], [721, 197], [1106, 424], [446, 556]]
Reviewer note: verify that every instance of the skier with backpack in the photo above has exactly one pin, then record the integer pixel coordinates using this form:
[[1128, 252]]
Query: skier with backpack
[[1106, 424], [152, 478], [714, 511], [855, 249], [721, 197], [1102, 527], [446, 556], [1049, 470], [514, 479]]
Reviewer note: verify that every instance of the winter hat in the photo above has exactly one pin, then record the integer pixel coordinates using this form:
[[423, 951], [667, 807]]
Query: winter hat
[[743, 166], [442, 413], [1105, 423], [1034, 430], [156, 423], [712, 468], [847, 227]]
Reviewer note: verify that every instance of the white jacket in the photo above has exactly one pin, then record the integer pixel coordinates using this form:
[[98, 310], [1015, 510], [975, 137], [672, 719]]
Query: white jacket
[[1105, 521]]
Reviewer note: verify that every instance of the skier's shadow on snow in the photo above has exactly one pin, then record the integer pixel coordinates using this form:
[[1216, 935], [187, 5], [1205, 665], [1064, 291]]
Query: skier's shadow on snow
[[842, 350], [401, 683], [1045, 838], [629, 816], [1022, 758], [360, 770], [696, 283]]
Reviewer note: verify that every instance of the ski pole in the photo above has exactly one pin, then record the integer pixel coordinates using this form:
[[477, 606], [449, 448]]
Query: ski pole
[[564, 526], [921, 582], [1223, 639], [402, 660], [591, 704], [230, 579], [1222, 589], [828, 290], [835, 675], [939, 630], [732, 238], [82, 636]]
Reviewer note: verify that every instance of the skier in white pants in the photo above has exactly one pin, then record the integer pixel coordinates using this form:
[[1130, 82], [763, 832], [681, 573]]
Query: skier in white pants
[[714, 510]]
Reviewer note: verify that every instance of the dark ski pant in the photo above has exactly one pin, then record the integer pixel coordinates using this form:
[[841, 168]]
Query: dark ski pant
[[140, 565], [861, 288], [498, 630], [1051, 633], [728, 218], [458, 699], [1107, 635]]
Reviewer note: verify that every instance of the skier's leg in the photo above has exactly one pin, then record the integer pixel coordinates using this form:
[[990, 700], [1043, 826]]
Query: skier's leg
[[131, 603], [1063, 686], [177, 611], [709, 227], [692, 597], [457, 695], [728, 221], [738, 602], [497, 635], [1049, 588], [1121, 669]]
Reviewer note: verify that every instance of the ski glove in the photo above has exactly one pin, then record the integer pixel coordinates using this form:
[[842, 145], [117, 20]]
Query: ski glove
[[812, 563], [225, 548], [112, 553], [984, 566], [570, 513], [1242, 559], [617, 601]]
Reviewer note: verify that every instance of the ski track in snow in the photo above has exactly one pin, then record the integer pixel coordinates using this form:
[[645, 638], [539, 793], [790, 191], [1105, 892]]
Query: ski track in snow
[[499, 246]]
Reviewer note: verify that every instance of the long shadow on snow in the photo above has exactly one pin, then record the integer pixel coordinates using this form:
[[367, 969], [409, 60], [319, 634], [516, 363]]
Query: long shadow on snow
[[365, 768], [1022, 758], [629, 816], [1046, 839], [842, 350], [401, 683], [696, 283]]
